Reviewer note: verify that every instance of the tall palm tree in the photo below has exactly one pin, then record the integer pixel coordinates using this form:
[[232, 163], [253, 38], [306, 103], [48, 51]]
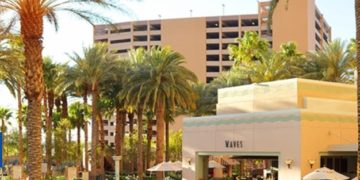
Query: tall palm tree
[[30, 14], [162, 81], [110, 90], [5, 115], [12, 72], [136, 99], [77, 115], [96, 65], [357, 18]]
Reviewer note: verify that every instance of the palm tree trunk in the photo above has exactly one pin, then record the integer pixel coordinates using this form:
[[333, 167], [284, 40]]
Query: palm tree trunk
[[94, 135], [48, 135], [123, 116], [64, 114], [86, 131], [31, 23], [149, 139], [131, 140], [140, 142], [102, 145], [49, 128], [58, 151], [160, 120], [357, 17], [119, 131], [21, 146], [78, 127], [167, 157]]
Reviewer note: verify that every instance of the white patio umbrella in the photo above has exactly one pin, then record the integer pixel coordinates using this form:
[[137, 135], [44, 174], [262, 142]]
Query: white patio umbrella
[[325, 174], [165, 166], [178, 164], [355, 178], [214, 164]]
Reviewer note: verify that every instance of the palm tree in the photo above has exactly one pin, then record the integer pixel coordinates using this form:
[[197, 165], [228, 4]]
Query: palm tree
[[77, 115], [12, 72], [336, 63], [30, 14], [5, 115], [162, 81], [96, 65], [136, 99], [357, 17]]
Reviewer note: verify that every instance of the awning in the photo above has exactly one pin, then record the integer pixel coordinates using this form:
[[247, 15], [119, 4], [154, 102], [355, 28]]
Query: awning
[[343, 148]]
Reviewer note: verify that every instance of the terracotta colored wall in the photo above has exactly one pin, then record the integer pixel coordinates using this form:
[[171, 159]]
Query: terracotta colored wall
[[188, 37], [295, 23]]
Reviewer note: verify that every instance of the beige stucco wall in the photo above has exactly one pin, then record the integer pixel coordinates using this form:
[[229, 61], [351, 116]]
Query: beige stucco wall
[[265, 137], [180, 35], [297, 118]]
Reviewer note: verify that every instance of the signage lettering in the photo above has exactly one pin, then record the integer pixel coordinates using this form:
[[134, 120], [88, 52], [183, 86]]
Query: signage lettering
[[233, 144]]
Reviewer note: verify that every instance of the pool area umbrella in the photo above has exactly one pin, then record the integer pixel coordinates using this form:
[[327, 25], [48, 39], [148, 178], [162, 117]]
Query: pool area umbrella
[[214, 164], [325, 174], [165, 166], [355, 178], [178, 164]]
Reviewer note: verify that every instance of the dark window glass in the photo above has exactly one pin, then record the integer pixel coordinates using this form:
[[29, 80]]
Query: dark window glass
[[212, 57], [120, 41], [212, 69]]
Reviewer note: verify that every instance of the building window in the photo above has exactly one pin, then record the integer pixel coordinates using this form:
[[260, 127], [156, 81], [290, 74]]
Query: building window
[[155, 38], [212, 69], [101, 40], [106, 122], [209, 79], [155, 27], [101, 31], [120, 41], [106, 132], [249, 22], [212, 57], [120, 30], [106, 142], [317, 38], [122, 51], [112, 144], [212, 35], [212, 46], [111, 133], [226, 45], [230, 23], [226, 68], [140, 27], [212, 24], [144, 47], [317, 26], [140, 38], [231, 35], [111, 123], [226, 57]]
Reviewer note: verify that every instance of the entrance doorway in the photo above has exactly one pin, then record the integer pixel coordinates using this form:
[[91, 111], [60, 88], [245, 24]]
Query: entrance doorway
[[237, 166]]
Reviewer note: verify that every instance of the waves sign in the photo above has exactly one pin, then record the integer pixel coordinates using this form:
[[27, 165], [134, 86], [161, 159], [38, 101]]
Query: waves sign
[[233, 144]]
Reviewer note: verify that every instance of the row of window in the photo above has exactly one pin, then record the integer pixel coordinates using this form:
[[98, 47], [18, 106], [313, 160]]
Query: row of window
[[216, 57], [217, 68], [233, 35], [142, 27], [232, 23], [215, 46]]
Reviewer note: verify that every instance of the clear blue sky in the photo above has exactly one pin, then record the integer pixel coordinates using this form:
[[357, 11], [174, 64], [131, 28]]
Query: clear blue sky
[[74, 34]]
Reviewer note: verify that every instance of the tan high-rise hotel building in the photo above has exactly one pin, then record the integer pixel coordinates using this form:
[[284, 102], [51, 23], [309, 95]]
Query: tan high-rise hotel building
[[204, 40]]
